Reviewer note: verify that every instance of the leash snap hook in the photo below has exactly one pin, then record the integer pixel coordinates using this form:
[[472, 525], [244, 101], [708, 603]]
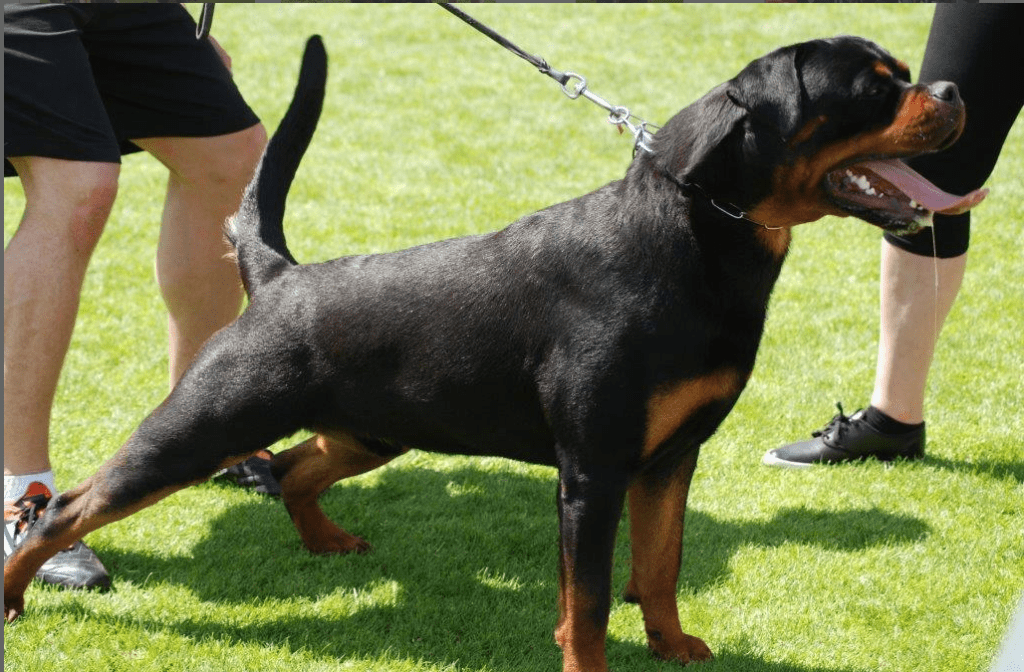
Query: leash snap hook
[[643, 139], [619, 116], [576, 91]]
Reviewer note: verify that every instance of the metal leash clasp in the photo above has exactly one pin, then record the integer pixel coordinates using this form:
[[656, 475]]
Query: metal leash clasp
[[641, 136], [576, 91], [617, 114]]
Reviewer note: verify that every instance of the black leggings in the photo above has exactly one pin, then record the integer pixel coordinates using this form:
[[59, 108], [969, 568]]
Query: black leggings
[[980, 47]]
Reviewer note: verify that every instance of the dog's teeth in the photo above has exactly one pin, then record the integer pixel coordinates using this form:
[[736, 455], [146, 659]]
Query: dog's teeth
[[913, 204], [862, 183]]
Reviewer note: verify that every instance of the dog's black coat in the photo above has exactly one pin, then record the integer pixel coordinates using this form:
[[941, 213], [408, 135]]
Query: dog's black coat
[[607, 336]]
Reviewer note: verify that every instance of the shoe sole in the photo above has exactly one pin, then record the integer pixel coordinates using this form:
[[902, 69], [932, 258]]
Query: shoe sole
[[100, 585], [772, 460]]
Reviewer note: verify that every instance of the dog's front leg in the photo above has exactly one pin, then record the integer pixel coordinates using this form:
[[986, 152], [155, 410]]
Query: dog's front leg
[[657, 504], [589, 506]]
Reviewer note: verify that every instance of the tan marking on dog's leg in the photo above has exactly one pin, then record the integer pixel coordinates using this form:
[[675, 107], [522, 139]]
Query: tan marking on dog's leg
[[310, 468], [656, 510], [581, 641]]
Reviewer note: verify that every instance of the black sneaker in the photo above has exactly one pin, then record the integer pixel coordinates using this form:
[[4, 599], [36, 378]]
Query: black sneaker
[[74, 567], [848, 439], [253, 473]]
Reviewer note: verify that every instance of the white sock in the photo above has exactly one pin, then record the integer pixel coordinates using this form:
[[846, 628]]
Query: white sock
[[16, 486]]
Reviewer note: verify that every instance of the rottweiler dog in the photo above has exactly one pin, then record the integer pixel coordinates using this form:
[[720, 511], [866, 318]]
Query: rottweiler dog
[[607, 336]]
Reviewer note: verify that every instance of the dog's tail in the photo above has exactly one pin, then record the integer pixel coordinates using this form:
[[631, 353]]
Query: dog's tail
[[257, 230]]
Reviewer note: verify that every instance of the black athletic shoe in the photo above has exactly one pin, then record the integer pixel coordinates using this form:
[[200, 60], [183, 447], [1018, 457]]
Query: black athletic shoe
[[848, 439], [74, 567], [253, 473]]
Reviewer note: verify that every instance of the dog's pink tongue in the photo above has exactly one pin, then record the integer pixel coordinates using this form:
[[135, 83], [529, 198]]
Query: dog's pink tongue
[[914, 185]]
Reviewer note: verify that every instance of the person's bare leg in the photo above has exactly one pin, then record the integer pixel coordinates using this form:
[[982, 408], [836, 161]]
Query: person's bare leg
[[198, 281], [912, 314], [67, 205]]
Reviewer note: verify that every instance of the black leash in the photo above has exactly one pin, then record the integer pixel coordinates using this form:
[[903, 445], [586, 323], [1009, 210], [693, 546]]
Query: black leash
[[617, 114], [205, 20], [535, 61]]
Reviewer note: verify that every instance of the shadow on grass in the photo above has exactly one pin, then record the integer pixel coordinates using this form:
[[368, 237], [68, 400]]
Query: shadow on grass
[[735, 662], [997, 469], [710, 544], [464, 571]]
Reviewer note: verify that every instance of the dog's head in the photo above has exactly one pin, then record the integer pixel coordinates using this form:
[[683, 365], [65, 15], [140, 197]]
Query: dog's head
[[819, 128]]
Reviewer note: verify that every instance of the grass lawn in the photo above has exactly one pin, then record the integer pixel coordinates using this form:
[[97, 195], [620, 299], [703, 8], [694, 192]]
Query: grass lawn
[[431, 131]]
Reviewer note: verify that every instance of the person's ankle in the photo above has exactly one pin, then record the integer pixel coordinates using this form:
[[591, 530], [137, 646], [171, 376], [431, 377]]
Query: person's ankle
[[886, 424], [15, 485]]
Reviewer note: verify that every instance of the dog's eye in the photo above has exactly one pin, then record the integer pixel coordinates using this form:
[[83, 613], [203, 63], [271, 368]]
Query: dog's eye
[[876, 91]]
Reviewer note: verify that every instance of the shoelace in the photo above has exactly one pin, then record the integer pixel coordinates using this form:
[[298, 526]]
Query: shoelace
[[19, 516], [28, 510], [836, 427]]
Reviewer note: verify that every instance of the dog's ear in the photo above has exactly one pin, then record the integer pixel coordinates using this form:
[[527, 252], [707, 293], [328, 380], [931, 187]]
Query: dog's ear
[[770, 90], [729, 136], [699, 136], [728, 141]]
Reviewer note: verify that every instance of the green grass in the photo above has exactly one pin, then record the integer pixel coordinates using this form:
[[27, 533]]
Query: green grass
[[432, 131]]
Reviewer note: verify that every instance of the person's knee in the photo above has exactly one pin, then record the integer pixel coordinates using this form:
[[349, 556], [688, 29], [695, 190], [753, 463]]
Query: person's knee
[[223, 164], [95, 200], [234, 164], [73, 197], [254, 141]]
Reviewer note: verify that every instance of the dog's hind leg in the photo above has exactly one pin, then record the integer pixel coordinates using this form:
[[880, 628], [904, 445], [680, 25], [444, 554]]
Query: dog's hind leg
[[657, 503], [156, 461], [219, 413], [311, 467]]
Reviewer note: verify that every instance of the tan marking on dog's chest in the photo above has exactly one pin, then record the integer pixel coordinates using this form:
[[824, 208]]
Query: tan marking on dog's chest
[[669, 409]]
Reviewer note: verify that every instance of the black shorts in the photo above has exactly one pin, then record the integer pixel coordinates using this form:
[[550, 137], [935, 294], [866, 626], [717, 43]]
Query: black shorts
[[81, 81]]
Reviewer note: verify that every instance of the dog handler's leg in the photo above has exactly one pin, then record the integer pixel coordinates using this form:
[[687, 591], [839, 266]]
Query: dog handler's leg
[[589, 507], [311, 467], [657, 504]]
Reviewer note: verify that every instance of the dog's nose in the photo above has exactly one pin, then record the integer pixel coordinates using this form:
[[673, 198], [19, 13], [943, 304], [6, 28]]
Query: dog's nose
[[944, 91]]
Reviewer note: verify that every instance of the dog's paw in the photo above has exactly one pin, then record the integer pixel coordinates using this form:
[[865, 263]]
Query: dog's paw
[[13, 607], [340, 543], [354, 544], [684, 649]]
